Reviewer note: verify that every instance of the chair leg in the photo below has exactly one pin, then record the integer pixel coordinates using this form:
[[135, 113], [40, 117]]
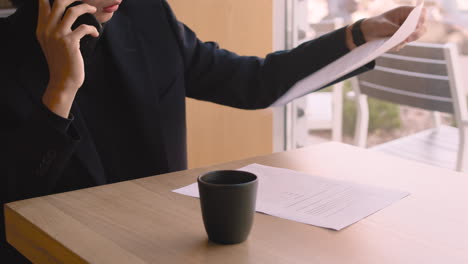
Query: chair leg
[[437, 119], [337, 119], [299, 130], [362, 121], [462, 157]]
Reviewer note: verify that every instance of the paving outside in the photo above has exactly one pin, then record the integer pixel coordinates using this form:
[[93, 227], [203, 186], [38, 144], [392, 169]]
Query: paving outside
[[413, 120]]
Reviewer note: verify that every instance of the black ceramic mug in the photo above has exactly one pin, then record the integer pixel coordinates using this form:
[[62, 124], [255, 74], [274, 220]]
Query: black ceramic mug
[[227, 201]]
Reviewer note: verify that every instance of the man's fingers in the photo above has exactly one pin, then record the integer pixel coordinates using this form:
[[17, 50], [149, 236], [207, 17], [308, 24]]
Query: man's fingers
[[420, 30], [72, 14], [43, 14], [390, 29], [395, 18], [58, 9], [84, 30], [423, 18], [399, 15], [399, 47], [418, 34], [44, 10], [390, 22]]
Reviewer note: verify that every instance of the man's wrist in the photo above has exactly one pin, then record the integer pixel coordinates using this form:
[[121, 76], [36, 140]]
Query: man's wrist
[[357, 33], [58, 101], [349, 38]]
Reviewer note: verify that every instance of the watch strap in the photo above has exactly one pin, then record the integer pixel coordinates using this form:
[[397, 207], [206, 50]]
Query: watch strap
[[358, 36]]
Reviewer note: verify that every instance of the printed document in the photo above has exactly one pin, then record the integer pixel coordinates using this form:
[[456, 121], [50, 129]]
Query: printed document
[[311, 199], [352, 60]]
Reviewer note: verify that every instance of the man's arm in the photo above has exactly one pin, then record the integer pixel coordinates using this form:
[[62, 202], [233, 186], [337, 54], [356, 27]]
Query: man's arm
[[36, 146], [223, 77], [220, 76]]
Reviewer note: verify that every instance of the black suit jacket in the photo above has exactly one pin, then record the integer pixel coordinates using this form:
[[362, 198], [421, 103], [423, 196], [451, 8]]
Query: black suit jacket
[[162, 61]]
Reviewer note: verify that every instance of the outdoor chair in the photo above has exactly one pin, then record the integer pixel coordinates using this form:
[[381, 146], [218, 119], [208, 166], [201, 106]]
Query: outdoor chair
[[426, 76]]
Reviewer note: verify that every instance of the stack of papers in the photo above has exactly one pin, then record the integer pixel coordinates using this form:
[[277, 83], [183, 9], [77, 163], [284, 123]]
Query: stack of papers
[[311, 199]]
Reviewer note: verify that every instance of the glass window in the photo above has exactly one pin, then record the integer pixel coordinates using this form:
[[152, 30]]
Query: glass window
[[314, 119]]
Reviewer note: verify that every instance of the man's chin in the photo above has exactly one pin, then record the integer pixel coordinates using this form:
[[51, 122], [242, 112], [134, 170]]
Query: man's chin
[[104, 17]]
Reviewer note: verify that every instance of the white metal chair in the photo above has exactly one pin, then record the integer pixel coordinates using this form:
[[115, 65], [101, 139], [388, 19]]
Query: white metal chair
[[426, 76], [322, 110]]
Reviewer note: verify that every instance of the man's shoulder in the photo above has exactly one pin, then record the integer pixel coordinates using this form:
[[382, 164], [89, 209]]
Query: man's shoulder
[[4, 27], [7, 36], [147, 9], [13, 38], [18, 36], [149, 15], [143, 5]]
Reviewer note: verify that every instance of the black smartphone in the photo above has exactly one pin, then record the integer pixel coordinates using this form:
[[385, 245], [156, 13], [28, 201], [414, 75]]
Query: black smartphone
[[87, 43]]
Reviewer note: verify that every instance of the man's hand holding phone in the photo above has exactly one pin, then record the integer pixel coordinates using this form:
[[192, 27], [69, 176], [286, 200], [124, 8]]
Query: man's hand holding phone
[[61, 47]]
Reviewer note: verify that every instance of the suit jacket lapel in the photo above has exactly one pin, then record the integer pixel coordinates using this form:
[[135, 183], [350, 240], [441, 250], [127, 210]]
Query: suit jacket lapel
[[142, 75], [127, 51], [86, 150]]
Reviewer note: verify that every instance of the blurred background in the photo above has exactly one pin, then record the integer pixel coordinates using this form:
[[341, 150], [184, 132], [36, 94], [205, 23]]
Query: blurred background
[[5, 8], [4, 4], [447, 23]]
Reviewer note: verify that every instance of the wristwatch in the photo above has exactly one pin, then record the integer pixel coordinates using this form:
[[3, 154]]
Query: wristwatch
[[358, 36]]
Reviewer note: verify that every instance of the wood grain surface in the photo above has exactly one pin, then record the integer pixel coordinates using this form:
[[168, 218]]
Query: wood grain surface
[[142, 221]]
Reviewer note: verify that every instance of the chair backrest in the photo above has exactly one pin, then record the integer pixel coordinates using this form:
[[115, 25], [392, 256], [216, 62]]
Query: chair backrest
[[420, 75]]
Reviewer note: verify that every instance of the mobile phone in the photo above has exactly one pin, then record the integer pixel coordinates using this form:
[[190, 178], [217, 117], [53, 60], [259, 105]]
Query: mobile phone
[[87, 43]]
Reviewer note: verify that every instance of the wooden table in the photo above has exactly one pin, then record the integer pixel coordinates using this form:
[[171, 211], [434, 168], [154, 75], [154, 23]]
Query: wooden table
[[142, 221]]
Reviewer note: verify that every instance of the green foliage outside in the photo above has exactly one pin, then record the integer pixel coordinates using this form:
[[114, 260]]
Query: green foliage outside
[[382, 115]]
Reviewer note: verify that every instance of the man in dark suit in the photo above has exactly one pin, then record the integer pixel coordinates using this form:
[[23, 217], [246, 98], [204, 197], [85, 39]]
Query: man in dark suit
[[68, 123]]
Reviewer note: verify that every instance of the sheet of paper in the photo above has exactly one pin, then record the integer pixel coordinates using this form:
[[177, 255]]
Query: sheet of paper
[[352, 60], [311, 199]]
